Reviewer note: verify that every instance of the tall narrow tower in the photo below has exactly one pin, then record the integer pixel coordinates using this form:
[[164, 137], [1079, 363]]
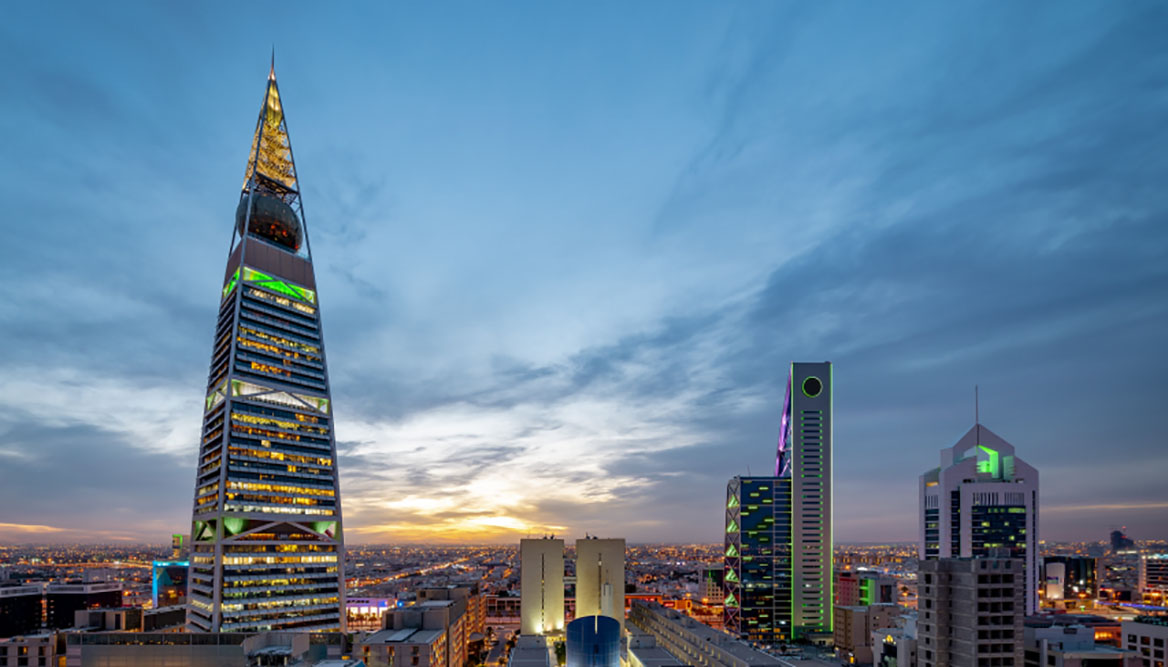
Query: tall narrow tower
[[267, 551], [981, 499], [778, 555]]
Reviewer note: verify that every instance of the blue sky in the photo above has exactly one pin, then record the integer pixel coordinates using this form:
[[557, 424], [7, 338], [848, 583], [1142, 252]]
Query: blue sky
[[564, 254]]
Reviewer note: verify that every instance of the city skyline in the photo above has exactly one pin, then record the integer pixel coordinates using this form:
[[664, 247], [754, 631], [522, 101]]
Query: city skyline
[[564, 283]]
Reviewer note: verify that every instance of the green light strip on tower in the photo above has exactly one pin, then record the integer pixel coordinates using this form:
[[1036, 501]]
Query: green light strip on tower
[[730, 576], [276, 285], [733, 502], [230, 284], [733, 527], [990, 465], [731, 551]]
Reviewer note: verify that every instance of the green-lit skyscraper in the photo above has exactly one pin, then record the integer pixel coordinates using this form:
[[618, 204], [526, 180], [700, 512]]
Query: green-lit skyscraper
[[266, 546], [778, 550]]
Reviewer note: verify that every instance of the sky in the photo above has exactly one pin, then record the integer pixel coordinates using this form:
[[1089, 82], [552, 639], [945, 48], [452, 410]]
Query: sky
[[566, 252]]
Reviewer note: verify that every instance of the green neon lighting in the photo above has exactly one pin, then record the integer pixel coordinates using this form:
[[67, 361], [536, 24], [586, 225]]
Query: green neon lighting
[[276, 285], [733, 502], [730, 576], [731, 601], [992, 465], [733, 527], [230, 284], [204, 531], [324, 527], [732, 551], [233, 525]]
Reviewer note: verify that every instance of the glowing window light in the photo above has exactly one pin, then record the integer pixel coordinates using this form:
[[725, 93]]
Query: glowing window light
[[277, 285]]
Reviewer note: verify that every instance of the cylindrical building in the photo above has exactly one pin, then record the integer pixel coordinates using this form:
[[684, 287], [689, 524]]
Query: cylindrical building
[[593, 641]]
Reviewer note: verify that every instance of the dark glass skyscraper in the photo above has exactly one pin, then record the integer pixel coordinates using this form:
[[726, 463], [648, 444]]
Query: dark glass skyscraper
[[778, 572], [266, 545], [757, 577]]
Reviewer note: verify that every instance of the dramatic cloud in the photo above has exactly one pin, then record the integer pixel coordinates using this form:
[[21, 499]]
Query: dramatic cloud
[[564, 259]]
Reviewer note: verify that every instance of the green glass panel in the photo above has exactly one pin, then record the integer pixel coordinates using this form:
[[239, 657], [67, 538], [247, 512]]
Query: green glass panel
[[733, 527], [733, 502], [732, 551], [233, 525], [230, 284], [730, 576]]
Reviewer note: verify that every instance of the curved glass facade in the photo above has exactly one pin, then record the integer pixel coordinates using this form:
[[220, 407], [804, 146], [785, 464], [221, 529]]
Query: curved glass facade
[[593, 641]]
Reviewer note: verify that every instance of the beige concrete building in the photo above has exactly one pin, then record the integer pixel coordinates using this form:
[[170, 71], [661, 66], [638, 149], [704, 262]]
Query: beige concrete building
[[694, 643], [600, 578], [853, 629], [541, 586], [971, 612]]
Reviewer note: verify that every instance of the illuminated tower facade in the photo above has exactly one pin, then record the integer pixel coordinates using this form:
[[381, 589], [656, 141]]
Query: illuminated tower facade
[[981, 499], [778, 550], [541, 586], [266, 549]]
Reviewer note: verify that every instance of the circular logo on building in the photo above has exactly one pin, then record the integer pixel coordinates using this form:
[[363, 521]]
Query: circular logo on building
[[812, 386]]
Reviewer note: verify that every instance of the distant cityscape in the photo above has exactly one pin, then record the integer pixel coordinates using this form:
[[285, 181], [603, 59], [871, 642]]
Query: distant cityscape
[[263, 575]]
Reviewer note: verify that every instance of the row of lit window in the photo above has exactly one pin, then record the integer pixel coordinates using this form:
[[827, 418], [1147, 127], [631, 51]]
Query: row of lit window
[[256, 317], [279, 488], [287, 303], [280, 340], [250, 430], [236, 507], [271, 349], [276, 604], [274, 560], [278, 317], [279, 456], [277, 500], [276, 351], [277, 548], [271, 582], [279, 423]]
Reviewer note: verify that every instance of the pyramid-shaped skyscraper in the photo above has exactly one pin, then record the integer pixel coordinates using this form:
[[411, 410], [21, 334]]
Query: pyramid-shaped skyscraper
[[267, 551]]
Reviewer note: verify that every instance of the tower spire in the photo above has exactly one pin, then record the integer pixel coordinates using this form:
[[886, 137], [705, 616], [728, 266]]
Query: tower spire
[[270, 166]]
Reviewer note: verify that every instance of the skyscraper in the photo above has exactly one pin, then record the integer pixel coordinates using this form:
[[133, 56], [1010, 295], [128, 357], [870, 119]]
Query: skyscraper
[[600, 578], [541, 586], [266, 544], [778, 555], [983, 497]]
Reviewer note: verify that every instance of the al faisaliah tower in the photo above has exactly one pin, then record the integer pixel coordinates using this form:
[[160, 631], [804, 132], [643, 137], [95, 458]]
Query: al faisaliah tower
[[267, 551]]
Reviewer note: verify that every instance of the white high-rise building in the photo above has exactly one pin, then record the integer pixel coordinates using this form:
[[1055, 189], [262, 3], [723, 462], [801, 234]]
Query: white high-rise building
[[541, 586], [982, 497], [600, 578]]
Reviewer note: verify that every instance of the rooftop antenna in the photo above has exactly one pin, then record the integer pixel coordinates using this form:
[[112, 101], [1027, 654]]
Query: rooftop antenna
[[976, 414]]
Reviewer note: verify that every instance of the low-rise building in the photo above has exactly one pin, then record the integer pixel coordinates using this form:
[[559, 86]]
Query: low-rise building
[[896, 646], [1072, 646], [201, 649], [1147, 635], [36, 650], [404, 647], [643, 651], [21, 611], [853, 629], [691, 642], [531, 651]]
